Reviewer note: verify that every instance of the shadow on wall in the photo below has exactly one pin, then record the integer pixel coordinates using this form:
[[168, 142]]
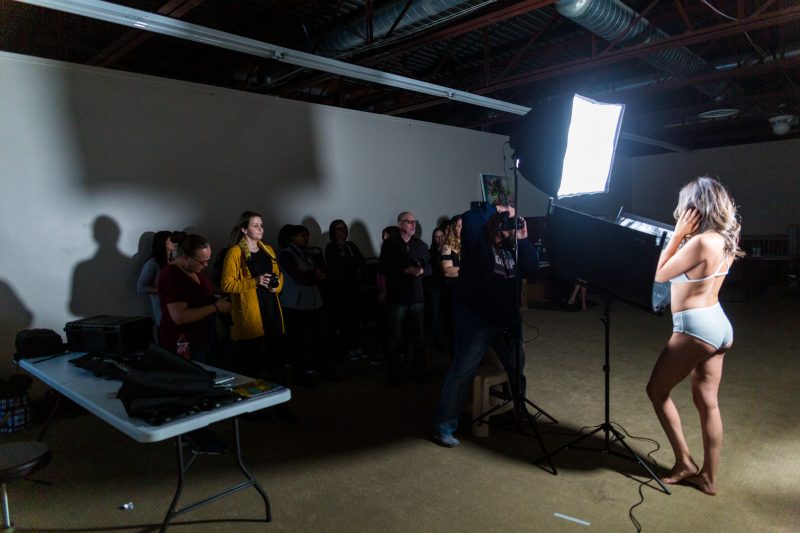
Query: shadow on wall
[[316, 237], [15, 317], [216, 152], [106, 283], [360, 235]]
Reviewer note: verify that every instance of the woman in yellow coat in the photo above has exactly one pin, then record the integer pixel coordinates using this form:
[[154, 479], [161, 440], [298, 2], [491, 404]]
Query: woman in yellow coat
[[252, 277]]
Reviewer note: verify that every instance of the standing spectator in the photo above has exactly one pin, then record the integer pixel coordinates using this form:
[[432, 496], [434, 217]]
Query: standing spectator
[[451, 263], [188, 306], [187, 300], [434, 288], [404, 261], [162, 249], [343, 297], [250, 274], [388, 232], [303, 307]]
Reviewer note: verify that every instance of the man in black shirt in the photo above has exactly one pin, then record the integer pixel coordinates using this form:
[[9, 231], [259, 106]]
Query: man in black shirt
[[404, 261]]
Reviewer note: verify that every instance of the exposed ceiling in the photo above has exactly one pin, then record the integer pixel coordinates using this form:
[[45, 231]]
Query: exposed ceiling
[[669, 61]]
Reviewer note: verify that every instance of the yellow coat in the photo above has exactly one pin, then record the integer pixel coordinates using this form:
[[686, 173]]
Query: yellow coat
[[237, 281]]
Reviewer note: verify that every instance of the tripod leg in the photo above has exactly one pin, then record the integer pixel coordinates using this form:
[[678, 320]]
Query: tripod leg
[[541, 411], [520, 410]]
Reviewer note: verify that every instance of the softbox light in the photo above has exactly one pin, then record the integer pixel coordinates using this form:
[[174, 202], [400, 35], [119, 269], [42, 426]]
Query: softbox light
[[565, 147]]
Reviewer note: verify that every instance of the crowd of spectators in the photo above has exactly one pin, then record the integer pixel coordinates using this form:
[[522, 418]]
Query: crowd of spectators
[[290, 314]]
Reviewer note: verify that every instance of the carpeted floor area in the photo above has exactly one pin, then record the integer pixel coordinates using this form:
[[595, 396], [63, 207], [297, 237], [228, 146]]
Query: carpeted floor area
[[360, 458]]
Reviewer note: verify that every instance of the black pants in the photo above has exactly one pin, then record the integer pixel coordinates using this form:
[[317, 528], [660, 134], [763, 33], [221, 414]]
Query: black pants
[[260, 356], [307, 340]]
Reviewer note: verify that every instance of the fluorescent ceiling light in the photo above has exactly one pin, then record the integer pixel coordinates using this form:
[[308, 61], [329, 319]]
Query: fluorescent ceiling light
[[145, 20]]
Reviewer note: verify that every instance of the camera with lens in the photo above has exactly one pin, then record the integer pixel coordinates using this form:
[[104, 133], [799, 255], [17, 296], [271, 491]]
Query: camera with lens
[[273, 282], [417, 262], [508, 223]]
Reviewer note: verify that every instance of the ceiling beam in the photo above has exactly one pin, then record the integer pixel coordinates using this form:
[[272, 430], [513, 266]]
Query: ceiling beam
[[768, 20], [132, 39], [435, 36], [116, 14]]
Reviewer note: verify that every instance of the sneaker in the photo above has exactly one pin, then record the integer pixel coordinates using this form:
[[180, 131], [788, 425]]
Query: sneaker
[[445, 441]]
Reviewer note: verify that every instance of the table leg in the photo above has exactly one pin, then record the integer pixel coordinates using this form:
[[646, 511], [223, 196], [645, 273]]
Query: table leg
[[181, 470], [182, 467], [247, 473]]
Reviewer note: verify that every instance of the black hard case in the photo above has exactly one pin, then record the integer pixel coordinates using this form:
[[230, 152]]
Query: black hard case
[[110, 334]]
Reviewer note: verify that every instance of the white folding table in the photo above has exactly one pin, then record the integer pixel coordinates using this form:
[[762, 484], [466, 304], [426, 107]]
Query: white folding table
[[98, 396]]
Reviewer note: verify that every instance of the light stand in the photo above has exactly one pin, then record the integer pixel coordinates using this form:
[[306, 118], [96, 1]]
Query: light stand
[[619, 262], [606, 427], [515, 375]]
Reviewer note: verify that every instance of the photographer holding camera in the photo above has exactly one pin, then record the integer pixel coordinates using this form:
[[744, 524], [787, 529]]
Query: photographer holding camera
[[404, 261], [485, 307], [250, 274]]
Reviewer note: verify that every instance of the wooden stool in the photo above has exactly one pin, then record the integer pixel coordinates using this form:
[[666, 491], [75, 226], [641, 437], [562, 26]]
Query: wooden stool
[[17, 460], [491, 374]]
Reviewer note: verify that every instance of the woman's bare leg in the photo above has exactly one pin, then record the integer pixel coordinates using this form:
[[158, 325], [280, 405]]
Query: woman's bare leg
[[705, 387], [572, 296], [678, 359]]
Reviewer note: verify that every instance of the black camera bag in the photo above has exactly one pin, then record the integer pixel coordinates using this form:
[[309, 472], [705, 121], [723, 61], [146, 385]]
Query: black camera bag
[[38, 343]]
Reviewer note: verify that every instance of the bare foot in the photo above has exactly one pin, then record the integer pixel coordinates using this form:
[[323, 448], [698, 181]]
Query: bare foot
[[701, 483], [680, 472]]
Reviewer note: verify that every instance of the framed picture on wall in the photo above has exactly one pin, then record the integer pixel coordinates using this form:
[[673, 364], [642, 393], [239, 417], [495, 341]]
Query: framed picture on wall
[[497, 189]]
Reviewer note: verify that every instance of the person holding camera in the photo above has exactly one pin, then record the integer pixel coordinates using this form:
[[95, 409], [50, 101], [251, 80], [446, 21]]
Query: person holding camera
[[485, 307], [404, 260], [250, 274]]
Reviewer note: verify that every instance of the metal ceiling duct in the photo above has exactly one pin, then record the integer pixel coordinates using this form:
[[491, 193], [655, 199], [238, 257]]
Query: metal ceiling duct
[[610, 18], [353, 34]]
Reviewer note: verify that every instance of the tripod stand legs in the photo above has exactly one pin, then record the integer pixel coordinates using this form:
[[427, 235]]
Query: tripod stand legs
[[521, 415], [609, 430], [606, 427]]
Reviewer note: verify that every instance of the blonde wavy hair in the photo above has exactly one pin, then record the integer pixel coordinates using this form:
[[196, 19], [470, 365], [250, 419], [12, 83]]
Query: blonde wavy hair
[[716, 207], [451, 240]]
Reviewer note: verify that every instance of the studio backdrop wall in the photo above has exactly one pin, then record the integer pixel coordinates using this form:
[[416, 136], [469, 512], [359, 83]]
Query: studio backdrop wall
[[93, 161], [764, 179]]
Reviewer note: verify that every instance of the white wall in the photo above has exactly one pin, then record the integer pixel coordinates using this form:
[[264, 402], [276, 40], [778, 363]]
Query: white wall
[[92, 160], [763, 178]]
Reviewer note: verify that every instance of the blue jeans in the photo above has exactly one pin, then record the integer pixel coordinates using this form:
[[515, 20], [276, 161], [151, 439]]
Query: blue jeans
[[404, 319], [473, 336]]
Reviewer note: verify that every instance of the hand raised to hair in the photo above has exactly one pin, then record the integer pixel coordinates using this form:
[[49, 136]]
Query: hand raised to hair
[[688, 223]]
